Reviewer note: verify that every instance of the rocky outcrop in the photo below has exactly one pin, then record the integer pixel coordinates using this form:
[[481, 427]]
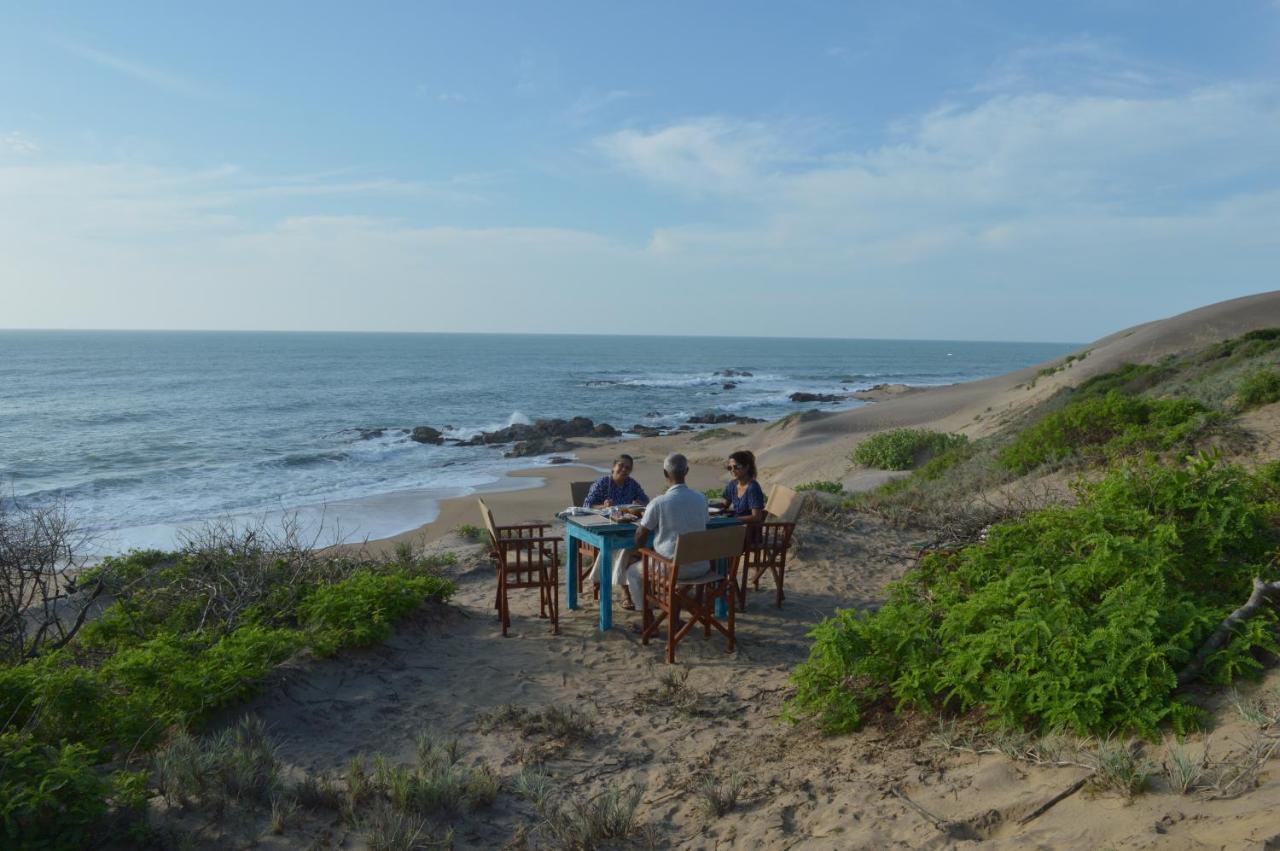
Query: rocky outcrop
[[542, 437], [729, 385], [645, 431], [816, 397], [732, 373], [539, 446], [426, 434], [712, 418], [540, 429]]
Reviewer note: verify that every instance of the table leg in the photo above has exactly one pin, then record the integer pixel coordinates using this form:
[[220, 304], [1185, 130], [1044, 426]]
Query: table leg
[[722, 611], [571, 575], [606, 585]]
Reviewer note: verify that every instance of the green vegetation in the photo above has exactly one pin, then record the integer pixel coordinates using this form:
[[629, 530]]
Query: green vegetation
[[187, 633], [825, 487], [1075, 618], [1107, 427], [1259, 387], [470, 533], [904, 448], [714, 434]]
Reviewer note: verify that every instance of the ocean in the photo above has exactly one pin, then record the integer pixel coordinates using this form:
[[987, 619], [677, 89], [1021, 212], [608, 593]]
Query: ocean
[[142, 434]]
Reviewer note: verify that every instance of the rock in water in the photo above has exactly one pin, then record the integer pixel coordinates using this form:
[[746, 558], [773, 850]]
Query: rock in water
[[426, 434]]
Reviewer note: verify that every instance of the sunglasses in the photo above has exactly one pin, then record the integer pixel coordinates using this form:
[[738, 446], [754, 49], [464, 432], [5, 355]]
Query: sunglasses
[[734, 467]]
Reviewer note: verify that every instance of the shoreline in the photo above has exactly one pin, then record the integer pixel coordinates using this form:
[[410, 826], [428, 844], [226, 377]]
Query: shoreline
[[540, 503]]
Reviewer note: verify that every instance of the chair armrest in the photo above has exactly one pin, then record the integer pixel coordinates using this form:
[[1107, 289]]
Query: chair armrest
[[647, 552], [524, 527]]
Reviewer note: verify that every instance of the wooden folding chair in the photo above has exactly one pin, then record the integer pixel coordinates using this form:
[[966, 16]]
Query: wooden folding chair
[[769, 542], [666, 591], [525, 557], [586, 552]]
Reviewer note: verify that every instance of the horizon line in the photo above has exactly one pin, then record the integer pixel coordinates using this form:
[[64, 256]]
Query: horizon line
[[534, 334]]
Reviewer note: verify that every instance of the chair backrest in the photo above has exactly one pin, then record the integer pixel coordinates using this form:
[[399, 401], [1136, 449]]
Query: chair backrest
[[489, 523], [784, 504], [725, 542], [579, 490]]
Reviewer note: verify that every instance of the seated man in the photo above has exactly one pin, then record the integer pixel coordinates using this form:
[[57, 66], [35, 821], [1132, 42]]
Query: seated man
[[681, 509]]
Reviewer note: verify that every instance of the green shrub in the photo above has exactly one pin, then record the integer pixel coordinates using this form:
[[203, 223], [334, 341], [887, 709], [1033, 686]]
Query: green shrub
[[360, 609], [1070, 618], [51, 796], [1107, 426], [825, 487], [904, 448], [469, 532], [1129, 380], [176, 679], [1259, 387]]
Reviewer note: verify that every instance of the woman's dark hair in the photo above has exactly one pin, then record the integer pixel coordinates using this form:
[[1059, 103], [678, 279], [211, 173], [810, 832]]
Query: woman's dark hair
[[625, 457], [745, 459]]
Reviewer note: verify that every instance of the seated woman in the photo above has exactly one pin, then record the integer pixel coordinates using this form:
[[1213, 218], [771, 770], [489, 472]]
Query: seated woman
[[617, 488], [744, 495]]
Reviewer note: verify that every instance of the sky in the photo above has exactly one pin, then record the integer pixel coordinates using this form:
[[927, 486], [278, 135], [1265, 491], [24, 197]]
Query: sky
[[944, 170]]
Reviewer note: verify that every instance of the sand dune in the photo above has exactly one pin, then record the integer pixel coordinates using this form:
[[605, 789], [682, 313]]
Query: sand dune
[[889, 786]]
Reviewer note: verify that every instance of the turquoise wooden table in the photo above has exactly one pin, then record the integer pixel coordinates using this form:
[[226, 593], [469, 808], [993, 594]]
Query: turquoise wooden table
[[609, 537]]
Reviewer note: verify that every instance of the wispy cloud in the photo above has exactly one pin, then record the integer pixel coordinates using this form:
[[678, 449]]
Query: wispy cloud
[[703, 156], [591, 102], [451, 97], [1080, 64], [17, 142], [147, 74]]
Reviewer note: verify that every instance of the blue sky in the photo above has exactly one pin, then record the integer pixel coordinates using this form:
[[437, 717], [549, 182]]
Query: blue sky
[[959, 170]]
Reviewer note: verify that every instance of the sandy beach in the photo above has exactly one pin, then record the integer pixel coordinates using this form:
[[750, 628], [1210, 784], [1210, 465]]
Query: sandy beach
[[664, 730]]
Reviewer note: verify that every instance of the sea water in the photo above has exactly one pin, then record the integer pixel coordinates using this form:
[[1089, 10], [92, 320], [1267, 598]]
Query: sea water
[[142, 434]]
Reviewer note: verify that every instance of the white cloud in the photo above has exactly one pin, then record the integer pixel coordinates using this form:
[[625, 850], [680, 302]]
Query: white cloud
[[451, 97], [16, 142], [712, 155]]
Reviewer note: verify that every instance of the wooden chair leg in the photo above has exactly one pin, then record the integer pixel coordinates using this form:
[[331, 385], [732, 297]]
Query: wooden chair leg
[[778, 573], [733, 636], [672, 617], [555, 601], [502, 604]]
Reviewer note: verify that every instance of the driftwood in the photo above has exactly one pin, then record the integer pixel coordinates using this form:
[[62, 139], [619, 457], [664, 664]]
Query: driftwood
[[1055, 800], [1262, 591]]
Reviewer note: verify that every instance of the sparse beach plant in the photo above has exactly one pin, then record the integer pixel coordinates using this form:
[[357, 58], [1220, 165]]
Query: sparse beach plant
[[903, 448], [1184, 773], [318, 792], [534, 785], [470, 533], [1259, 387], [389, 829], [1120, 768], [717, 796], [823, 486], [583, 825]]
